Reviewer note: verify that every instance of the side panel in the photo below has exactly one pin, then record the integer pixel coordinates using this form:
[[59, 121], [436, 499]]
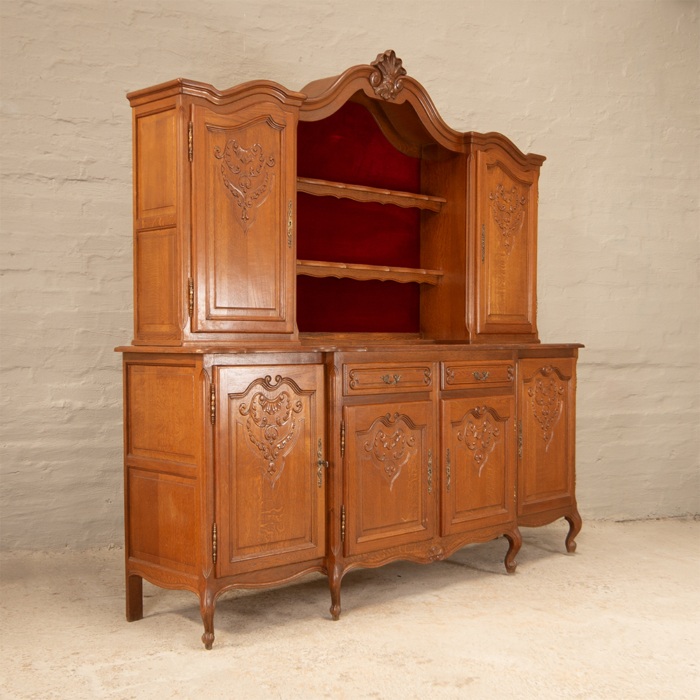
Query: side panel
[[390, 452], [506, 255], [270, 486], [162, 455], [243, 194], [478, 485], [546, 422]]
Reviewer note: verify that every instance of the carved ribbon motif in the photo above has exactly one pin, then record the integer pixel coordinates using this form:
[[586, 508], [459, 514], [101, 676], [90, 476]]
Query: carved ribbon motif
[[272, 430], [509, 213], [547, 403], [390, 450], [386, 80], [252, 177], [480, 435]]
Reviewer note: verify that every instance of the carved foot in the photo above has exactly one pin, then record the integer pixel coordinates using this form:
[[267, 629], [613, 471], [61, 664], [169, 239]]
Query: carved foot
[[515, 539], [334, 578], [574, 520], [206, 607], [134, 598]]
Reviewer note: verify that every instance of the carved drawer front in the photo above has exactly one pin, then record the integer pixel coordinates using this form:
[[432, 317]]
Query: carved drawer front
[[379, 379], [462, 375]]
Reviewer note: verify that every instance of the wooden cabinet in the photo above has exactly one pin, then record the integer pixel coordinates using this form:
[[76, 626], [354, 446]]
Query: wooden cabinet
[[335, 360]]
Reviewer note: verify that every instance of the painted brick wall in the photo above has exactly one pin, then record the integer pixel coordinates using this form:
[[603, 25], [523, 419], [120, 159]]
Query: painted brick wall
[[608, 91]]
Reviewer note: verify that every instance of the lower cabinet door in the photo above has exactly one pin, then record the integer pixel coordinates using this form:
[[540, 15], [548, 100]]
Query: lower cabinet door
[[270, 488], [477, 462], [391, 485], [546, 424]]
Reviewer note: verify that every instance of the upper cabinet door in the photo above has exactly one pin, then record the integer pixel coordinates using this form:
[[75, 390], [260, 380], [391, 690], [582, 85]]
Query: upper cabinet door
[[243, 193], [506, 242]]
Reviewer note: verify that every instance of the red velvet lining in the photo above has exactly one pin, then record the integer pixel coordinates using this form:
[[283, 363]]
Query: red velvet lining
[[349, 147]]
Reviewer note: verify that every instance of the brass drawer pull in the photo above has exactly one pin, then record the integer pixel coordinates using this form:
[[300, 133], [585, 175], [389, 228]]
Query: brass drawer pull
[[480, 376], [430, 472], [320, 463], [388, 379]]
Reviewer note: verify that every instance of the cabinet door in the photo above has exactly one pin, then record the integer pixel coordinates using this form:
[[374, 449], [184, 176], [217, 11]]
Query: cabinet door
[[390, 480], [506, 245], [546, 415], [478, 462], [270, 487], [243, 192]]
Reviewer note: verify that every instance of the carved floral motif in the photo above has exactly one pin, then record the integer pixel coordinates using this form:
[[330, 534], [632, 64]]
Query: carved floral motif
[[272, 429], [547, 396], [390, 446], [386, 80], [252, 177], [436, 553], [509, 213], [480, 435]]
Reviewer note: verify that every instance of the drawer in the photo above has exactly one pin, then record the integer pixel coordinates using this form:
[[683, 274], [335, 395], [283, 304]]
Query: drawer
[[387, 378], [463, 375]]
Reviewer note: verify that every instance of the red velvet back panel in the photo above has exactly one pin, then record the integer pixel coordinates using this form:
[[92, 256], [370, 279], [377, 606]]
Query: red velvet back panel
[[349, 147]]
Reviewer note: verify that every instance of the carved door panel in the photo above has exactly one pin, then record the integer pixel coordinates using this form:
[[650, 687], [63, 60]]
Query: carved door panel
[[506, 255], [478, 462], [391, 485], [243, 193], [546, 425], [270, 485]]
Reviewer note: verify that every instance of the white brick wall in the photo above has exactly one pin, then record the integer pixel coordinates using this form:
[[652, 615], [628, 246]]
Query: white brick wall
[[608, 91]]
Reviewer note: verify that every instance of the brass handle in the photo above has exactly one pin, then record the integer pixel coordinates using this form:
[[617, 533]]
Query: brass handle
[[520, 439], [480, 376], [388, 379], [290, 225], [320, 463], [430, 471], [483, 242], [449, 474]]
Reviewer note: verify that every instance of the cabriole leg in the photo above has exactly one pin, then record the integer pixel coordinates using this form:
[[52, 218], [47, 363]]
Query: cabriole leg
[[134, 597], [206, 607], [335, 576], [574, 520], [515, 539]]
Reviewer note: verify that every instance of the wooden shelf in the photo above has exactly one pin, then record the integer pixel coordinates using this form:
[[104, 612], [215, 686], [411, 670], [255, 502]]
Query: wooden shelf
[[359, 193], [315, 268]]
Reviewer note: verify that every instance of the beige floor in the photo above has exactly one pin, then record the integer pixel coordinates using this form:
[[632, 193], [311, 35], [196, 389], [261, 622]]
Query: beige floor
[[617, 620]]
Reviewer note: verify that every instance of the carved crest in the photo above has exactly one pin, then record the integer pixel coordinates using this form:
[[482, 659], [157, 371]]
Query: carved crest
[[390, 445], [509, 213], [272, 426], [547, 403], [386, 80], [247, 175], [480, 435]]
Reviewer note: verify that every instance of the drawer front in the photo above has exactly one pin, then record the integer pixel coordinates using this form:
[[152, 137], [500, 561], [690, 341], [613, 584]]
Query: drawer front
[[386, 378], [468, 375]]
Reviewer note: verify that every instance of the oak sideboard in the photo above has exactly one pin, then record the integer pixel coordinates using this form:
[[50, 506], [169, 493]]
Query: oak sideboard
[[336, 361]]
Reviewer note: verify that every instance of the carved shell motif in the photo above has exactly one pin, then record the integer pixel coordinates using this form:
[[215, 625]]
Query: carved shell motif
[[480, 436], [272, 429], [390, 446], [547, 403], [386, 80], [247, 175], [508, 213]]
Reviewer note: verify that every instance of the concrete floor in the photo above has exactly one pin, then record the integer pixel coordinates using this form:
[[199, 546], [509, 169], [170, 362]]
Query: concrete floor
[[617, 620]]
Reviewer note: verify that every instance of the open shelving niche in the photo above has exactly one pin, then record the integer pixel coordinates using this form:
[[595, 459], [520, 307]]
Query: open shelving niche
[[364, 194]]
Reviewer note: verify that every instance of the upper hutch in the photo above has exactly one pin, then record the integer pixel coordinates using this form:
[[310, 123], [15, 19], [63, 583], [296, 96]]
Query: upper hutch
[[335, 359]]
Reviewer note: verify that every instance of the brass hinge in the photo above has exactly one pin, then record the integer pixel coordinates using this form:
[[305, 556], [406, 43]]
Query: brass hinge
[[213, 542], [430, 472], [290, 225], [342, 438], [520, 439], [190, 303], [189, 142], [212, 403], [342, 524], [449, 471], [483, 240]]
